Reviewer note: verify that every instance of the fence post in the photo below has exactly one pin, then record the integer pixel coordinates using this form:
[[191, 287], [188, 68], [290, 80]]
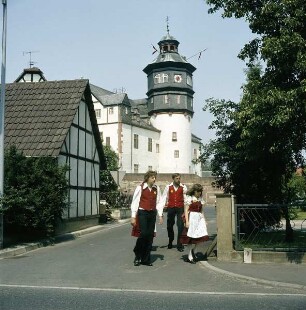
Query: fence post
[[224, 227]]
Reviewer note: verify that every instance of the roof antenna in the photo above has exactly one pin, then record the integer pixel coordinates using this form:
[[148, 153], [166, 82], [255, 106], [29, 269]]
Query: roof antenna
[[31, 63], [167, 20]]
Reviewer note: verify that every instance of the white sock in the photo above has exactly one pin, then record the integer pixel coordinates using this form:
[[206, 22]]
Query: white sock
[[190, 248]]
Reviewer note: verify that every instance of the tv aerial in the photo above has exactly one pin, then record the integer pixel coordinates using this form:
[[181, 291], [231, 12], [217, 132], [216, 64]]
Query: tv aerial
[[31, 63]]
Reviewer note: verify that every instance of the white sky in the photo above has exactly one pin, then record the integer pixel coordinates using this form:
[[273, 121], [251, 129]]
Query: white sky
[[109, 43]]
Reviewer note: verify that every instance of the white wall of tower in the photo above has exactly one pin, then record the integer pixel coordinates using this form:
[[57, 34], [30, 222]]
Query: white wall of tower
[[169, 123]]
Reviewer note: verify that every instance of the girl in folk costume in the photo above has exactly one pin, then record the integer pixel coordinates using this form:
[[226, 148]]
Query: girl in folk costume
[[195, 230], [145, 206]]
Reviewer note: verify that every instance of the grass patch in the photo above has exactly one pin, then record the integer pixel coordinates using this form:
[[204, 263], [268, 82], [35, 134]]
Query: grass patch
[[301, 215], [274, 239]]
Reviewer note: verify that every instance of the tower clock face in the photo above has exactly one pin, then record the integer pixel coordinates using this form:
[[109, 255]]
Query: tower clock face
[[177, 78]]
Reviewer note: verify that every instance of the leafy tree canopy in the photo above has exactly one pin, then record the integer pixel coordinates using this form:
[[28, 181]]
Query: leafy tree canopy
[[264, 136]]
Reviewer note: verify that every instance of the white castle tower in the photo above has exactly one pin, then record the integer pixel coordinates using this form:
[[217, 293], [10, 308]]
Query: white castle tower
[[170, 105]]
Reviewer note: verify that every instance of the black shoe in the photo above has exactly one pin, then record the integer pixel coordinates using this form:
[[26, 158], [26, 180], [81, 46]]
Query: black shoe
[[147, 264], [180, 248], [170, 246], [136, 262], [191, 261]]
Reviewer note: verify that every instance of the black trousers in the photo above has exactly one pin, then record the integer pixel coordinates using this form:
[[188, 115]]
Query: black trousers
[[171, 214], [142, 249]]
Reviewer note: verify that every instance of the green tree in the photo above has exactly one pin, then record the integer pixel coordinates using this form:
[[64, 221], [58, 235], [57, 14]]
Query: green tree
[[271, 119], [35, 192], [107, 183]]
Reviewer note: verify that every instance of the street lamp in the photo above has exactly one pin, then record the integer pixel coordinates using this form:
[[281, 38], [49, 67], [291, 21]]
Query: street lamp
[[2, 109]]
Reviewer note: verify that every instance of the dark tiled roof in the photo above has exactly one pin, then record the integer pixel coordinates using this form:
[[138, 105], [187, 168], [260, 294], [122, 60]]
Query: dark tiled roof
[[98, 91], [38, 116], [195, 139]]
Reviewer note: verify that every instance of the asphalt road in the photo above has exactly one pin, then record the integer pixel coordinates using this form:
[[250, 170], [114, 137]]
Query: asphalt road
[[96, 271]]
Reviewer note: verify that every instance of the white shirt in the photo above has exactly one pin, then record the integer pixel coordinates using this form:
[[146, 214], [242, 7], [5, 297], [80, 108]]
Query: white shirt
[[136, 200]]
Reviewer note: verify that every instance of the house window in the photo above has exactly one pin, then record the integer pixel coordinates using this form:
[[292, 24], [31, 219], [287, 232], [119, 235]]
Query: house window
[[136, 168], [176, 154], [195, 153], [111, 111], [150, 144], [174, 136], [98, 113], [135, 141], [107, 141], [157, 148]]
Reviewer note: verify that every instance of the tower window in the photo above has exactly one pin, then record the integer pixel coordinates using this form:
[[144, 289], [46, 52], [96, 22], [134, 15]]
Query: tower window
[[189, 80], [178, 99], [135, 141], [176, 154], [174, 136], [161, 78], [166, 98]]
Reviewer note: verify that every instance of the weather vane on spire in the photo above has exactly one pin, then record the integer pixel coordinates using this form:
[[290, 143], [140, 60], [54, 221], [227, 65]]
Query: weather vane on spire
[[167, 20]]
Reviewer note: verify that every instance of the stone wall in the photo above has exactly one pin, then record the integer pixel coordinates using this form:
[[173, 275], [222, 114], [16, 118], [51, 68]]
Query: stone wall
[[131, 180]]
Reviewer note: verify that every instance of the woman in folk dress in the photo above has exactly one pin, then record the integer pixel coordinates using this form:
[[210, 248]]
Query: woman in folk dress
[[195, 230]]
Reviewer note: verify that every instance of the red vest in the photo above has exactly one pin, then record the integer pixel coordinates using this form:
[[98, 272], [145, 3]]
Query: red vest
[[175, 197], [195, 206], [148, 198]]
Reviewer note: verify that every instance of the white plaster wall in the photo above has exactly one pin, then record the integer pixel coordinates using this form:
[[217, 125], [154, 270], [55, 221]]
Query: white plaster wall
[[180, 124], [140, 156], [110, 130], [125, 158]]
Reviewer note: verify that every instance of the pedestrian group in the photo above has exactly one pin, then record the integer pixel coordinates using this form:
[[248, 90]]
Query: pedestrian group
[[184, 206]]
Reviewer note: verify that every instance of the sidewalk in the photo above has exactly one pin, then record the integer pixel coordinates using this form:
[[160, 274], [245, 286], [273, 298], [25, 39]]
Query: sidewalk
[[272, 274], [26, 247]]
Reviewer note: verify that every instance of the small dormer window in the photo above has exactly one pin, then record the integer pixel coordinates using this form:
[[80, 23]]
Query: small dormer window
[[165, 48]]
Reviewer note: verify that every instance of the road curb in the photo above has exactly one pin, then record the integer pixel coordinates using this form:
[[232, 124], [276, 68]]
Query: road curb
[[252, 279]]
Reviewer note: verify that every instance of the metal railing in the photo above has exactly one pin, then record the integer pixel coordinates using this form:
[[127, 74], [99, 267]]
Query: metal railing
[[264, 227]]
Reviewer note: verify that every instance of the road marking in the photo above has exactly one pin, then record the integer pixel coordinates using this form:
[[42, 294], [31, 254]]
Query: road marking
[[143, 291]]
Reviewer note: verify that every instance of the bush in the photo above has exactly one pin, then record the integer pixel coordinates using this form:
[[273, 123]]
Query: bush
[[35, 192]]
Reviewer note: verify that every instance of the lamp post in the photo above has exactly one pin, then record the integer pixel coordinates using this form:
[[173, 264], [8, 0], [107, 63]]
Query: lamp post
[[2, 110]]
